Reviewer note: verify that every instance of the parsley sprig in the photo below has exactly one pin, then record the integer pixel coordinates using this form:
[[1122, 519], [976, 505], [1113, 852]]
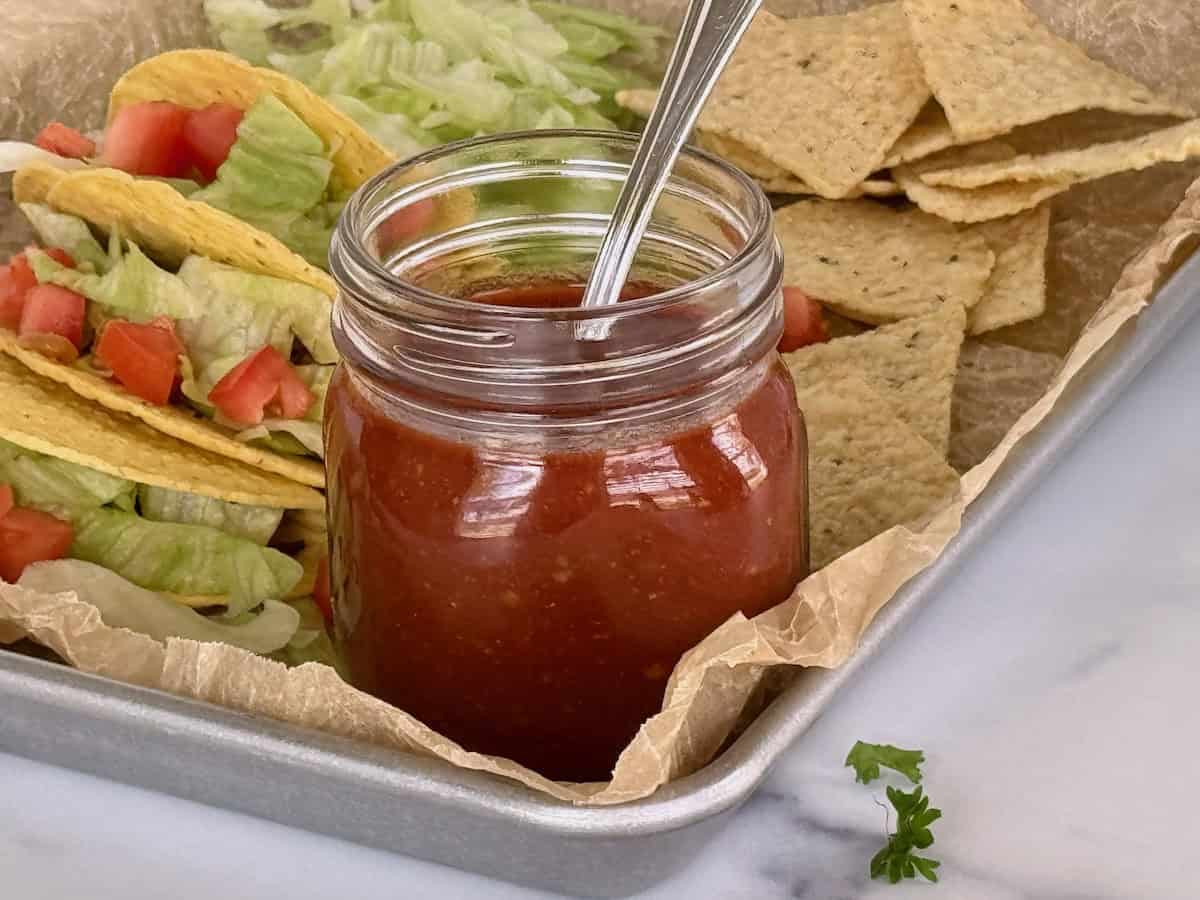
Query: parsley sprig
[[898, 859], [913, 817]]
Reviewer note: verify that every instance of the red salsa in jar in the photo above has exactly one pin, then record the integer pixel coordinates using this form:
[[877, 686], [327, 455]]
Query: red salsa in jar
[[521, 553]]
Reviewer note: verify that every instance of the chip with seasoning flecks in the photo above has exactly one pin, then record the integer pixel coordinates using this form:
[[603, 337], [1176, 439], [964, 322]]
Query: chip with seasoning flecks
[[825, 98], [993, 65], [1016, 290], [912, 363], [868, 470], [875, 264]]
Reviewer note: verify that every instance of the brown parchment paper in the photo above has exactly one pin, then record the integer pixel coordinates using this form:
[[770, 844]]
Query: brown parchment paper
[[1113, 242]]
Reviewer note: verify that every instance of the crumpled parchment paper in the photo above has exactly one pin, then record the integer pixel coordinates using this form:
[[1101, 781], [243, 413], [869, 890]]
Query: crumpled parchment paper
[[1113, 242]]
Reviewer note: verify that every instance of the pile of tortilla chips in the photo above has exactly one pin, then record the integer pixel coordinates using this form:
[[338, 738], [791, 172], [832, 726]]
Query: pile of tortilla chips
[[974, 116]]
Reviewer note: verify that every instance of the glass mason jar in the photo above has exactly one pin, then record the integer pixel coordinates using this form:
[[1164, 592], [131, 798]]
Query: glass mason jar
[[532, 520]]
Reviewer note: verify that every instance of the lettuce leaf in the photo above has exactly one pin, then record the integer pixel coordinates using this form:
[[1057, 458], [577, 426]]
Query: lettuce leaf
[[57, 486], [55, 229], [276, 175], [133, 288], [254, 523], [183, 559], [123, 604]]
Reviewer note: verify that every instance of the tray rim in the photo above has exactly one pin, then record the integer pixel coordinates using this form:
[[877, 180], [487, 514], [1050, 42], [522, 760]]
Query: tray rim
[[723, 783]]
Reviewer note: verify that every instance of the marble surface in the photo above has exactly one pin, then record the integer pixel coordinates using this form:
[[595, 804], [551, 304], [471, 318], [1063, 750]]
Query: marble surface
[[1060, 721]]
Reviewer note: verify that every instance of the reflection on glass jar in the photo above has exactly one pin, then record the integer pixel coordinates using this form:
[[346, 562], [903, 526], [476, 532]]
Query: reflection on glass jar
[[529, 528]]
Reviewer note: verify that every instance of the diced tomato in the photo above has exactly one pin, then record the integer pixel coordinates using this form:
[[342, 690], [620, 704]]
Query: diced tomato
[[147, 139], [405, 224], [802, 322], [143, 358], [65, 141], [263, 382], [322, 595], [208, 134], [51, 309], [6, 501], [29, 536], [16, 280], [60, 256]]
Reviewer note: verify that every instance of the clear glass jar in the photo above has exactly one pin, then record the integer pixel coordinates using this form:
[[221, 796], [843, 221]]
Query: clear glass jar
[[530, 526]]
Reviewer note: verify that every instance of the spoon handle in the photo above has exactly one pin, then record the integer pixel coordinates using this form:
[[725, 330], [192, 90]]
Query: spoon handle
[[711, 30]]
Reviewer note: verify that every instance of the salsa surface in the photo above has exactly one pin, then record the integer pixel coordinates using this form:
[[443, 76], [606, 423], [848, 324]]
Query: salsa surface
[[532, 604]]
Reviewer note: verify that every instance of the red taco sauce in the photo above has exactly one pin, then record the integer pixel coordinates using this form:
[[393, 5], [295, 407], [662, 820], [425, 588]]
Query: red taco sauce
[[528, 530]]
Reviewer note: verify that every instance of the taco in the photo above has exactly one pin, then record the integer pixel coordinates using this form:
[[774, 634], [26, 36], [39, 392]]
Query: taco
[[173, 312], [147, 526], [252, 142]]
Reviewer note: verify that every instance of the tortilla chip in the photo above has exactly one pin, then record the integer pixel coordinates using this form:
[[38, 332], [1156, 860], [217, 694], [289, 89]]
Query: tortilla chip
[[1016, 290], [868, 471], [775, 180], [1177, 144], [996, 383], [46, 417], [993, 65], [163, 222], [980, 205], [876, 264], [197, 78], [824, 98], [912, 363], [929, 134]]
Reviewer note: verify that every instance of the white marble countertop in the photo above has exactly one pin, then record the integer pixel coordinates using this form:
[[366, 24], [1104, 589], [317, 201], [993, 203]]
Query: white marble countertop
[[1060, 721]]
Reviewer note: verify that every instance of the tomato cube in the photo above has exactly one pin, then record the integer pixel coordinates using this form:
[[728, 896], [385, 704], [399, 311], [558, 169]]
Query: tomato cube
[[51, 309], [208, 135], [802, 322], [29, 536], [143, 358], [262, 382], [147, 139], [65, 141], [16, 280]]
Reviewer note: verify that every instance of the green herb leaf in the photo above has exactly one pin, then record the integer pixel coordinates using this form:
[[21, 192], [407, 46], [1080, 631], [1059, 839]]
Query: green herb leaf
[[867, 758], [896, 861]]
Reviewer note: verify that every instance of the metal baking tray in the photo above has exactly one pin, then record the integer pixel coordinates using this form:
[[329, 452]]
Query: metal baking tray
[[429, 809]]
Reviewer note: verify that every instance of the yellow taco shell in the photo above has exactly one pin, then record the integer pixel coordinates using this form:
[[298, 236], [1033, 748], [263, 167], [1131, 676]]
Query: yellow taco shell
[[196, 78]]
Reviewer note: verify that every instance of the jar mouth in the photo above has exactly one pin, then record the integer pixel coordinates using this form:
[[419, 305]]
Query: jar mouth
[[417, 180]]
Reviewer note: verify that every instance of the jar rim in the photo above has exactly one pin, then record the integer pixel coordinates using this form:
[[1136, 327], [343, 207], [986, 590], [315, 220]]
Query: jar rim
[[349, 224]]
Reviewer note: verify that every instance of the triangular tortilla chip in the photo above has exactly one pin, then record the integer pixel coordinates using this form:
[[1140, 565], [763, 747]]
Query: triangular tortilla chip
[[772, 178], [929, 134], [40, 415], [824, 98], [876, 264], [1016, 290], [996, 383], [868, 471], [993, 65], [1175, 144], [982, 204], [912, 363]]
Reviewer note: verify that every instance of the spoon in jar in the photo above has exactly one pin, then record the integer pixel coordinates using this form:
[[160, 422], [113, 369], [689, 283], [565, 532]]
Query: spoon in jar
[[710, 32]]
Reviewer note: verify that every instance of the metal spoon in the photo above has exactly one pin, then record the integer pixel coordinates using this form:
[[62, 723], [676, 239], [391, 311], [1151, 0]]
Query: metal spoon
[[711, 30]]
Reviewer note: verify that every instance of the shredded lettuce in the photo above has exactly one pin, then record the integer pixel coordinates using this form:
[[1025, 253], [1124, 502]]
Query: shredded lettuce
[[123, 604], [417, 73], [133, 288], [254, 523], [311, 642], [55, 229], [183, 559], [276, 178], [55, 485]]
